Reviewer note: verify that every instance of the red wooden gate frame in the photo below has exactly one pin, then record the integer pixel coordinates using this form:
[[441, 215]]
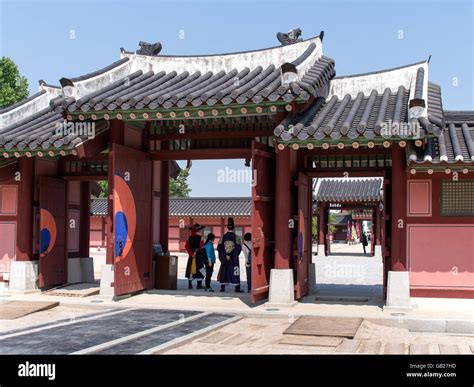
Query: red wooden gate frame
[[263, 218], [52, 232], [302, 258], [132, 176]]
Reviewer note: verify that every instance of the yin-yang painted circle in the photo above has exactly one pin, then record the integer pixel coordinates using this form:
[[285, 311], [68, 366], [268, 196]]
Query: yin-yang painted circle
[[125, 218], [47, 232]]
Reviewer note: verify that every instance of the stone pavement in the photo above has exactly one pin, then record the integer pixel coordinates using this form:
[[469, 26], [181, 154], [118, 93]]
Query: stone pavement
[[265, 336], [341, 274], [121, 331]]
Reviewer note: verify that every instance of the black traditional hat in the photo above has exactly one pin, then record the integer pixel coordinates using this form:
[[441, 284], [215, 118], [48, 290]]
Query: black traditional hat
[[230, 223], [196, 227]]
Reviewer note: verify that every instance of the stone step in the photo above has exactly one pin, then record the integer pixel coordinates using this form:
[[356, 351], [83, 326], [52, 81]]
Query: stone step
[[419, 349], [448, 349], [394, 348], [348, 346], [370, 347]]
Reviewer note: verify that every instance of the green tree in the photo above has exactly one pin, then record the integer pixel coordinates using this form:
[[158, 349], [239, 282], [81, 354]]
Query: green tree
[[13, 86], [332, 220], [314, 225], [179, 187], [104, 188]]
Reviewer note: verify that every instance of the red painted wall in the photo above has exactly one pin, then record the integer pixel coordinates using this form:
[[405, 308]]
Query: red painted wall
[[9, 217], [439, 249]]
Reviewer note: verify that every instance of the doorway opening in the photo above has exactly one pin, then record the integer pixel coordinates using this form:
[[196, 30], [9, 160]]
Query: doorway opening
[[98, 225], [347, 239], [220, 189]]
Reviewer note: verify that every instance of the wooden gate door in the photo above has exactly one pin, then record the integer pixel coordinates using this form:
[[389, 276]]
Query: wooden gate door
[[263, 218], [304, 236], [132, 177], [52, 232]]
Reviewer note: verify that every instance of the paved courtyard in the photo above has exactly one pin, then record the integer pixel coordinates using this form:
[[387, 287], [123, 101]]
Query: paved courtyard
[[139, 330], [347, 272], [114, 331], [192, 321]]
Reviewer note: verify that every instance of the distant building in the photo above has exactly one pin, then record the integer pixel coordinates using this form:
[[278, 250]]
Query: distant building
[[210, 212]]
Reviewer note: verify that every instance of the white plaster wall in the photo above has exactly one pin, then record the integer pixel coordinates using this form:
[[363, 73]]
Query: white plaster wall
[[405, 76]]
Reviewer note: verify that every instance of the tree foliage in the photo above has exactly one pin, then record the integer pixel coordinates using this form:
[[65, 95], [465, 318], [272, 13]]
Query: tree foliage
[[13, 86], [104, 188], [179, 187]]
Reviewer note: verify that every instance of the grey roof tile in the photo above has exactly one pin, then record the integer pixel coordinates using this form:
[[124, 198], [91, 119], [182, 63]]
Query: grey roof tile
[[210, 206], [349, 117], [346, 190], [454, 144], [169, 90]]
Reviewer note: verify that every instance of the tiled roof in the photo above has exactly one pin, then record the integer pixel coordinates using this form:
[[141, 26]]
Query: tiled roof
[[362, 105], [99, 206], [148, 82], [165, 87], [455, 143], [345, 190], [210, 207], [192, 207], [44, 131]]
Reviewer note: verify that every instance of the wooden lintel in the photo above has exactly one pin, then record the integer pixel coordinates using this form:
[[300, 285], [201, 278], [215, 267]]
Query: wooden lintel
[[260, 198], [83, 177], [211, 134], [97, 157], [202, 154]]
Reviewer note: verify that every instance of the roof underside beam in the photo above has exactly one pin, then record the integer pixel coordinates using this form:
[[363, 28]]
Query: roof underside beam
[[203, 154]]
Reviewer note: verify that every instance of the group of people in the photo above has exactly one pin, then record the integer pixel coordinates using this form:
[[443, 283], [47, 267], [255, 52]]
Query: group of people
[[202, 258]]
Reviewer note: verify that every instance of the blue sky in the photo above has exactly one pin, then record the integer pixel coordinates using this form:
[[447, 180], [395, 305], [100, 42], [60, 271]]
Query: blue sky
[[361, 36]]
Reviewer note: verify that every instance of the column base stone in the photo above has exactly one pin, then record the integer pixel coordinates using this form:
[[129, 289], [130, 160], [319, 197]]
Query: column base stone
[[377, 251], [398, 291], [106, 279], [282, 289], [23, 276], [80, 270], [321, 251]]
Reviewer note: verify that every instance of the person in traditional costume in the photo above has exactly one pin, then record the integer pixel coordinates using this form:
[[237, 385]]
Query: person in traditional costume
[[195, 268], [229, 249]]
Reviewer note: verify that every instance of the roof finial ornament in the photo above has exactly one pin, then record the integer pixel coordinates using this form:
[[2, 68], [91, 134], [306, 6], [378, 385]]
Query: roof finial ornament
[[293, 36], [152, 49]]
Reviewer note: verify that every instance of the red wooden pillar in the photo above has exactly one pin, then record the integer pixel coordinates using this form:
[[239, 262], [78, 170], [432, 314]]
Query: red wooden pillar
[[378, 228], [282, 209], [322, 223], [398, 216], [327, 239], [26, 187], [85, 219], [165, 201]]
